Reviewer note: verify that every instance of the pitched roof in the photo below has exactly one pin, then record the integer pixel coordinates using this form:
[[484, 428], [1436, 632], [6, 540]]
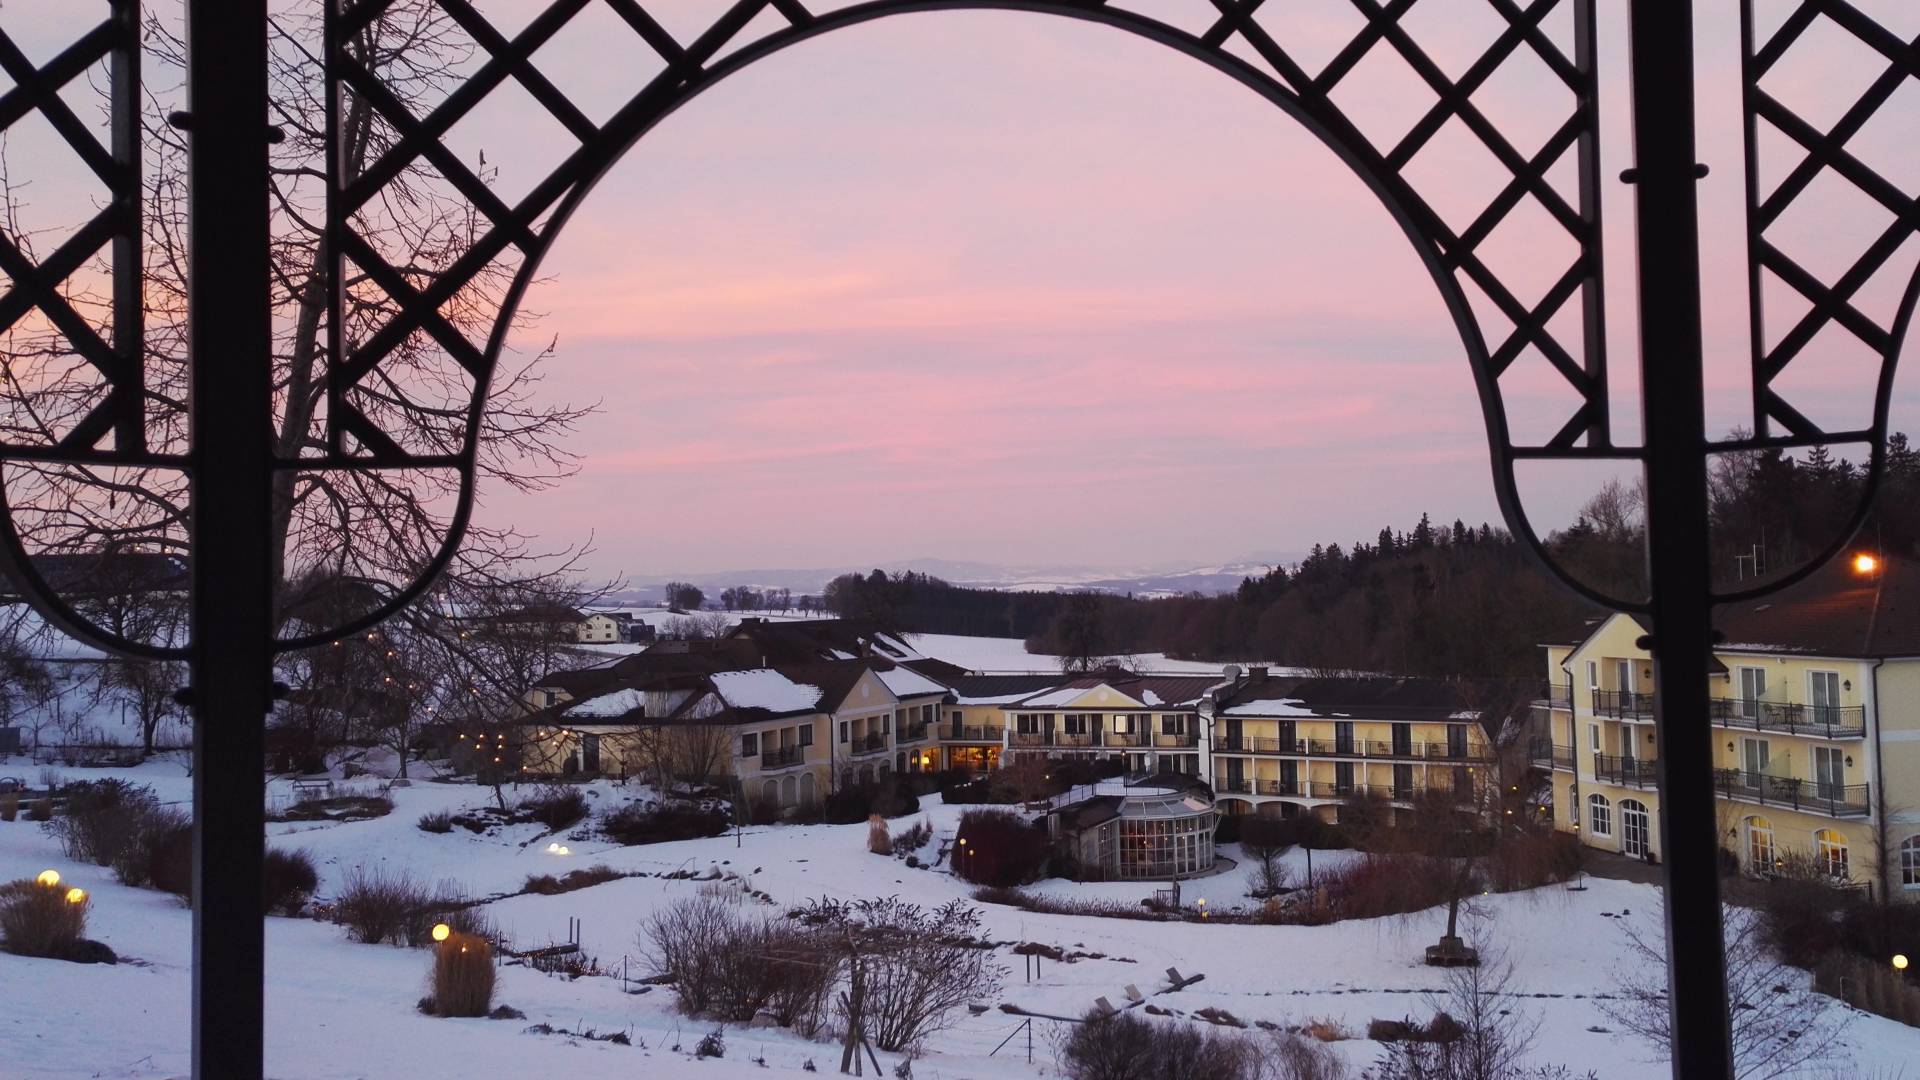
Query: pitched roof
[[806, 640], [1375, 697], [1833, 612], [1000, 689], [1153, 691]]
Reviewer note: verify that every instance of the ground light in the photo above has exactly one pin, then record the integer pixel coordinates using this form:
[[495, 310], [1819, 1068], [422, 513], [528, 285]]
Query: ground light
[[441, 931], [76, 896], [49, 878], [1899, 961]]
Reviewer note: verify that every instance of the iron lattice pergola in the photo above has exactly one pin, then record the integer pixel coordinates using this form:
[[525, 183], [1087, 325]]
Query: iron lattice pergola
[[1558, 322]]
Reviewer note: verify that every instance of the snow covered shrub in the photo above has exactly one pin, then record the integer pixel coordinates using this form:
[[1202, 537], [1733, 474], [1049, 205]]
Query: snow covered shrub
[[40, 920], [152, 828], [1866, 984], [1128, 1046], [439, 821], [462, 976], [101, 818], [803, 971], [918, 965], [376, 906], [712, 1045], [289, 879], [634, 823], [879, 840], [998, 847], [557, 806]]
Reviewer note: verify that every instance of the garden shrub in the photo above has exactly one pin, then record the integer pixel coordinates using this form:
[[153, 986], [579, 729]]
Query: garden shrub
[[999, 847], [9, 806], [377, 906], [101, 818], [1378, 886], [1128, 1046], [289, 879], [855, 803], [170, 862], [557, 806], [1532, 858], [40, 810], [548, 885], [152, 827], [439, 821], [462, 976], [712, 1045], [39, 920], [634, 823], [879, 840], [1042, 904], [1227, 829], [912, 838], [1868, 984]]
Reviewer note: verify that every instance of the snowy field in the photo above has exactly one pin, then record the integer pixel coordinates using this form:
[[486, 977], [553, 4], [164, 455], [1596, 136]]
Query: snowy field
[[338, 1010]]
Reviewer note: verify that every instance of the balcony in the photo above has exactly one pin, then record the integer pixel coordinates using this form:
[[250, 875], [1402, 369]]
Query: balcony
[[1174, 741], [1358, 748], [1623, 704], [972, 733], [869, 744], [1547, 755], [1555, 696], [1311, 789], [1625, 771], [1125, 738], [1809, 796], [1813, 721], [913, 732], [782, 757], [1030, 738]]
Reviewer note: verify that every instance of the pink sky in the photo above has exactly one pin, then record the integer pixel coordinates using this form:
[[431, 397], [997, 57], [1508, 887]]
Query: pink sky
[[1004, 287]]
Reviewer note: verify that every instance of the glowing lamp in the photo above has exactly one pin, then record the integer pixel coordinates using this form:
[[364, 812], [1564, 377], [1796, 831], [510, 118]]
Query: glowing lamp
[[49, 878], [441, 931], [1864, 563], [76, 896], [565, 850], [1899, 961], [553, 847]]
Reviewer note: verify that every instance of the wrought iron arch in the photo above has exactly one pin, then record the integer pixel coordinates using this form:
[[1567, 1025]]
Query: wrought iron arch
[[1448, 254]]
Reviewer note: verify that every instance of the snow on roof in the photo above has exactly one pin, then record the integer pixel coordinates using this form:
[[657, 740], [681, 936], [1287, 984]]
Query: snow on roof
[[765, 688], [1270, 707], [1057, 697], [608, 706], [906, 682], [1151, 698]]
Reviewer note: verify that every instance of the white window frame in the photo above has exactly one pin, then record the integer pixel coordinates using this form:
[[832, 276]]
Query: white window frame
[[1829, 855], [1599, 815], [1910, 862], [1593, 675], [1753, 832], [1750, 706]]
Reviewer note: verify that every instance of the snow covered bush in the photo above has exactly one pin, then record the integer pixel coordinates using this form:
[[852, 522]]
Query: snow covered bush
[[439, 821], [462, 976], [39, 920], [635, 823], [102, 818], [1129, 1046], [289, 878], [377, 906], [998, 847], [731, 967], [557, 806]]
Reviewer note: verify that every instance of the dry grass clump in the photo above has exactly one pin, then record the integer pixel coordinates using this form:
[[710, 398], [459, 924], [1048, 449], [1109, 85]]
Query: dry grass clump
[[462, 981], [377, 906], [41, 920], [548, 885], [879, 839]]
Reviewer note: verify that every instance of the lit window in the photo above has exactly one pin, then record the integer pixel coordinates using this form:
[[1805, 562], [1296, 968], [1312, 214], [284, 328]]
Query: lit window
[[1831, 849]]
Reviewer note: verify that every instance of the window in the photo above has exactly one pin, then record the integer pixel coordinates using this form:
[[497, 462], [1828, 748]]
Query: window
[[1830, 848], [1755, 756], [1823, 694], [1593, 744], [1026, 724], [1753, 687], [846, 730], [956, 716], [1599, 815], [1829, 772], [1343, 736], [1173, 724], [1633, 829], [1593, 674], [750, 745], [1760, 856], [1910, 863], [806, 735], [1623, 676], [1343, 778], [1075, 725]]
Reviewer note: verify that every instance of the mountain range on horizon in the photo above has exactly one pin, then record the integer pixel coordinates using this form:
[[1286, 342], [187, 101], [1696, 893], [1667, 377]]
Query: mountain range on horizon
[[1162, 580]]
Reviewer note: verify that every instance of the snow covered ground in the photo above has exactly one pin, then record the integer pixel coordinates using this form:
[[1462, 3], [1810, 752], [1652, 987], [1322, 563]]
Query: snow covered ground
[[337, 1010]]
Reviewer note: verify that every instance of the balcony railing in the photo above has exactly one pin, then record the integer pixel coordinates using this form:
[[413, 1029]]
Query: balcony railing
[[1124, 738], [870, 744], [1623, 704], [1791, 718], [1556, 695], [1312, 789], [781, 757], [1812, 796], [913, 732], [1096, 739], [1175, 740], [972, 733], [1358, 748], [1548, 755], [1626, 771]]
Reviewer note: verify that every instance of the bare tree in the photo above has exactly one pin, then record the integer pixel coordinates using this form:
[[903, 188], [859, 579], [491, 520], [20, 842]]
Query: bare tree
[[1780, 1026], [1265, 840], [375, 526], [912, 968]]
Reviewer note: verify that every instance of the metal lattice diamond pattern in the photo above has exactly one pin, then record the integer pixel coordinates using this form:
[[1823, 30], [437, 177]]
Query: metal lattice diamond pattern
[[1824, 153]]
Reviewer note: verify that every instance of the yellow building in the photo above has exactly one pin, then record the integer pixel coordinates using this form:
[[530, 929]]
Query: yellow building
[[1285, 745], [1152, 723], [1816, 720]]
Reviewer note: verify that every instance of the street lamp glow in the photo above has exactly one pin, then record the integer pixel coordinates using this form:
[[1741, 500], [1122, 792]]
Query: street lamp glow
[[1899, 961], [49, 878], [1864, 563], [441, 931]]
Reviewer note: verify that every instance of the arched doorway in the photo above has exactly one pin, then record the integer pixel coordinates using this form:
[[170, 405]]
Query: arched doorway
[[1635, 829]]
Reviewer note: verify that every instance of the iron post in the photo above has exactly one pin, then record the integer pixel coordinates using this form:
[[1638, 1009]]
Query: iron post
[[1673, 413], [229, 415]]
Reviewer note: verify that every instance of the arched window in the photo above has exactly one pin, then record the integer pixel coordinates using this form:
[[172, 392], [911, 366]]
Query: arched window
[[1599, 815], [770, 793], [1760, 856], [1634, 829], [1830, 848], [1910, 862], [790, 791], [807, 792]]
